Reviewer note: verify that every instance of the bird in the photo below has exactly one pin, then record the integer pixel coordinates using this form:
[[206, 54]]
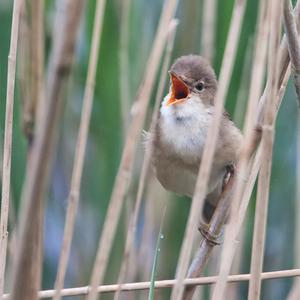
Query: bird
[[181, 129]]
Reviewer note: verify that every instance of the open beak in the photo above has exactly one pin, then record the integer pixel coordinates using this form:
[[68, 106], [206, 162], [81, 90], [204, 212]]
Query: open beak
[[179, 91]]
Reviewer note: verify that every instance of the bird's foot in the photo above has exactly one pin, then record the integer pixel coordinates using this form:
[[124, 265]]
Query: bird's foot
[[210, 237]]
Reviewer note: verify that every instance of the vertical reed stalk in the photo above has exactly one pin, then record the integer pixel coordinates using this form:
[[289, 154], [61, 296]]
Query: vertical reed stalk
[[241, 102], [145, 168], [32, 56], [74, 194], [48, 117], [36, 89], [125, 168], [7, 150], [208, 152], [209, 29], [275, 8], [238, 117], [31, 61]]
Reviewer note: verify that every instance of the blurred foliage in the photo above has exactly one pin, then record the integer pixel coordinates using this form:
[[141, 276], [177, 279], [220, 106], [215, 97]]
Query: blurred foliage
[[106, 140]]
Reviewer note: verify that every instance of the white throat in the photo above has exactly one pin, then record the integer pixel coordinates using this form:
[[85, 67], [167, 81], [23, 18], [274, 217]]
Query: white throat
[[184, 127]]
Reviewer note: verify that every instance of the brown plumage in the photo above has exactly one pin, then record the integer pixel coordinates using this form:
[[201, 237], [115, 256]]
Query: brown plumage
[[181, 131]]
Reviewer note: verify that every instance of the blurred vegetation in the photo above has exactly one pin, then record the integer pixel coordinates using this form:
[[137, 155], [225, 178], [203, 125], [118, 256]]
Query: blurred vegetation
[[106, 140]]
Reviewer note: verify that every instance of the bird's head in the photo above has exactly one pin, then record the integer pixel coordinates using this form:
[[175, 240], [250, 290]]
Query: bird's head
[[193, 83]]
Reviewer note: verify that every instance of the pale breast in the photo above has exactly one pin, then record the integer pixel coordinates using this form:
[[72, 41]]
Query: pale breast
[[179, 140], [184, 134]]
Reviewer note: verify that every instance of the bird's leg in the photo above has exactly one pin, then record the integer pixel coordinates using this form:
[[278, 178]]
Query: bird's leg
[[204, 227]]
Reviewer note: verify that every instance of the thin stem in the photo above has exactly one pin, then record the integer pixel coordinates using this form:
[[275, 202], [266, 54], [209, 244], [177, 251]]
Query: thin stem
[[36, 52], [6, 172], [145, 168], [160, 284], [125, 168], [275, 8], [74, 193], [241, 102], [238, 117], [33, 58], [208, 29]]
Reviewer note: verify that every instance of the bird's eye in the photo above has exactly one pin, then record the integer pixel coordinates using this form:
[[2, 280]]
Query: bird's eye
[[200, 86]]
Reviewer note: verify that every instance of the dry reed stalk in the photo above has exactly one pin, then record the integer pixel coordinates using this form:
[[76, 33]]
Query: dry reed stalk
[[125, 168], [12, 237], [11, 245], [35, 94], [208, 29], [146, 163], [238, 116], [24, 63], [35, 60], [290, 28], [208, 152], [160, 284], [82, 138], [258, 72], [241, 102], [125, 98], [258, 245], [36, 180], [7, 150]]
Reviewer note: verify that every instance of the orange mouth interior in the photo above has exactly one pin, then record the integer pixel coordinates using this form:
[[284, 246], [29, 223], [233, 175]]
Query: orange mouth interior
[[179, 92]]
